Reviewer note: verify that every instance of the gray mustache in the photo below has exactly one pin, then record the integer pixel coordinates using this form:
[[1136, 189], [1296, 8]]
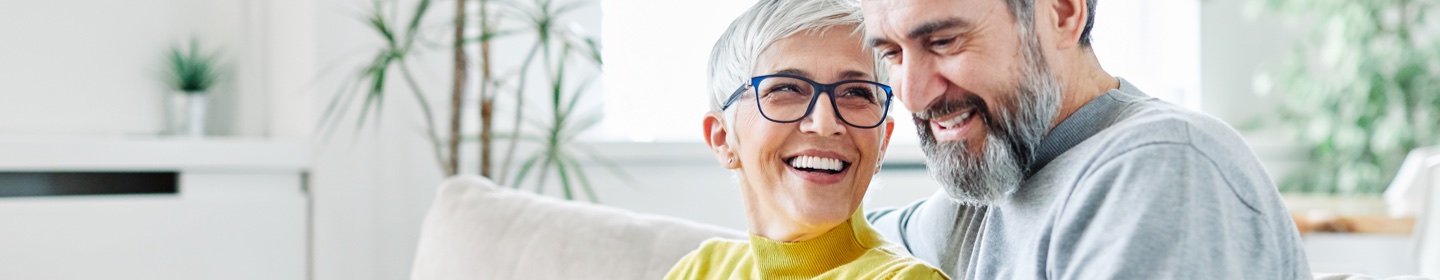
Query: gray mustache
[[946, 106]]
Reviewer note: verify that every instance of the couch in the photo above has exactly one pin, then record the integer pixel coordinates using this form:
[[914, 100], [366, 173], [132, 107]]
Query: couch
[[478, 230]]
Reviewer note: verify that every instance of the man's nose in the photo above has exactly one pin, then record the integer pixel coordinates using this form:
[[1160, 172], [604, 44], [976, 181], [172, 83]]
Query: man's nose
[[823, 119], [917, 84]]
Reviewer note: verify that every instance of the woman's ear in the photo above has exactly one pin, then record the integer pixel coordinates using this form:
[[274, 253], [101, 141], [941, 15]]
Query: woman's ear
[[717, 137], [889, 129], [885, 142]]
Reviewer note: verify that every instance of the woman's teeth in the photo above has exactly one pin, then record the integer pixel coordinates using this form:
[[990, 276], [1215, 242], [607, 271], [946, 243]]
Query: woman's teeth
[[956, 120], [817, 163]]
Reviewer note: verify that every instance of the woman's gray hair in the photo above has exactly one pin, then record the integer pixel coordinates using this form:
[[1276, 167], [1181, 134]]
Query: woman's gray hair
[[733, 59]]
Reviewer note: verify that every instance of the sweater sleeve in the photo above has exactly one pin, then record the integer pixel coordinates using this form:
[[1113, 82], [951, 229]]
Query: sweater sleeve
[[937, 230]]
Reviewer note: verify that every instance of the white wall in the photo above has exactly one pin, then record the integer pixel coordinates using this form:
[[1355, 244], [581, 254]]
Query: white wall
[[84, 66], [91, 67], [1234, 47]]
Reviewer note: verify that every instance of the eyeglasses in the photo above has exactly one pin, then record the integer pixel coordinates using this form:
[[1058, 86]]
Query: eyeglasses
[[788, 98]]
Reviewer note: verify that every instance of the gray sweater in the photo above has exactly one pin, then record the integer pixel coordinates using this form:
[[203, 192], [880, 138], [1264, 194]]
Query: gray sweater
[[1128, 187]]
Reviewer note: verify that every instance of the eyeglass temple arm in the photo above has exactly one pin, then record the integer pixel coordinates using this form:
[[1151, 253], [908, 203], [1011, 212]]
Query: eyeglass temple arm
[[733, 97]]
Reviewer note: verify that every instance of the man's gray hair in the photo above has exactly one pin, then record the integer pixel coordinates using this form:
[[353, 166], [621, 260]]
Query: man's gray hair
[[734, 57], [1024, 12]]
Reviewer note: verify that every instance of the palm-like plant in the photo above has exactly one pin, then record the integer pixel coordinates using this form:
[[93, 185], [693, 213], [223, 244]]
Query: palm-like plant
[[191, 70], [399, 46], [555, 47]]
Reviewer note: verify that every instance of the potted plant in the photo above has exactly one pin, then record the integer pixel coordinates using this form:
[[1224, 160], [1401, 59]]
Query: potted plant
[[553, 50], [191, 74]]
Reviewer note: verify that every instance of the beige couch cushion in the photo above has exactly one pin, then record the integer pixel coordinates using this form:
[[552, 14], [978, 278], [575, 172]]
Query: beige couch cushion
[[477, 230]]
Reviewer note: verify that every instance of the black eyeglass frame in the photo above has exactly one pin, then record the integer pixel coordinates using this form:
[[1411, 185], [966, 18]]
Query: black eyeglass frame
[[828, 89]]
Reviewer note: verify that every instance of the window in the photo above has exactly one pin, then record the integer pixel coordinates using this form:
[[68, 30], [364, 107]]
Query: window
[[656, 54], [1152, 44]]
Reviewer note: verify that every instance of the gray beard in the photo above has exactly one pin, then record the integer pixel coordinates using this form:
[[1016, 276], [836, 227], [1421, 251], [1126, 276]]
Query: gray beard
[[973, 179], [1018, 125]]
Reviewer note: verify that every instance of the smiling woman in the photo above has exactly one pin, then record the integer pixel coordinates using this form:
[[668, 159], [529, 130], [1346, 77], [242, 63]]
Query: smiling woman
[[790, 126], [804, 129]]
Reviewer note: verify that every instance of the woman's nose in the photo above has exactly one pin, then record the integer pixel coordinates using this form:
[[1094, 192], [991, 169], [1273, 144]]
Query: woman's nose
[[823, 119]]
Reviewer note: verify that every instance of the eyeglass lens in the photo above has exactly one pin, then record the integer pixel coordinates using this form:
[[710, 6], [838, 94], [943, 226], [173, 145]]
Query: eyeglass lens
[[786, 99]]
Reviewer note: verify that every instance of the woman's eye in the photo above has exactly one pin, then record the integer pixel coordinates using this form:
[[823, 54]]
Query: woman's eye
[[782, 88], [860, 92]]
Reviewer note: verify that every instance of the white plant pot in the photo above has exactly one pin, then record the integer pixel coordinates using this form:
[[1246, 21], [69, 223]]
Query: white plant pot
[[196, 121], [176, 113], [185, 114]]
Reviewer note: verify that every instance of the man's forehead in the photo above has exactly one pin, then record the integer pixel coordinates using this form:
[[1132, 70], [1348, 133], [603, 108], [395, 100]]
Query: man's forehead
[[892, 17], [890, 20], [877, 20]]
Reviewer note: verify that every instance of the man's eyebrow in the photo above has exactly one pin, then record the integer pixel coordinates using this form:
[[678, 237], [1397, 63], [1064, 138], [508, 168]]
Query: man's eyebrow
[[876, 42], [927, 28]]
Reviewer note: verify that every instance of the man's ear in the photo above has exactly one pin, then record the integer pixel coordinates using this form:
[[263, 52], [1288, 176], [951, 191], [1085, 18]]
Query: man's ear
[[717, 137], [1067, 21]]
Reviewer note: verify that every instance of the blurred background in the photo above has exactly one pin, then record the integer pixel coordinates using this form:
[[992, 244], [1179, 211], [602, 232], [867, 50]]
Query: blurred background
[[305, 139]]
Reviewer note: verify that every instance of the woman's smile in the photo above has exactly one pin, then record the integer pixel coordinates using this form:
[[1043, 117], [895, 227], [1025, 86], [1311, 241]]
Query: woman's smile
[[818, 167]]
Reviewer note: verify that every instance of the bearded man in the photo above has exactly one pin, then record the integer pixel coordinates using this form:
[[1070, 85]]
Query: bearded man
[[1052, 168]]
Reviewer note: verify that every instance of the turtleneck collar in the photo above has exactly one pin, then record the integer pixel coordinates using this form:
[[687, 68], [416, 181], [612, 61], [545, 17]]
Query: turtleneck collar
[[809, 258]]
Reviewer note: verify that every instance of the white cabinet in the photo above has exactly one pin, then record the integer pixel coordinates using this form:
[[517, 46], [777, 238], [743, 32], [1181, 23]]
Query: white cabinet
[[241, 212]]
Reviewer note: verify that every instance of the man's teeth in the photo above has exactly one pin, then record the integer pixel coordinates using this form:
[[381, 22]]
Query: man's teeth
[[816, 163], [956, 120]]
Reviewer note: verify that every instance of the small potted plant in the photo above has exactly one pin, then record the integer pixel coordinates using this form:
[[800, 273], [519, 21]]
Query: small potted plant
[[192, 73]]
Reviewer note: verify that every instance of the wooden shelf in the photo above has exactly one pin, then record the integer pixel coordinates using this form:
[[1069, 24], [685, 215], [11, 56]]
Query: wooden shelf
[[1361, 224]]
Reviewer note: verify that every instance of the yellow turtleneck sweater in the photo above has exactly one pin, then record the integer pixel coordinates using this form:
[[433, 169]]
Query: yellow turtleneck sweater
[[851, 250]]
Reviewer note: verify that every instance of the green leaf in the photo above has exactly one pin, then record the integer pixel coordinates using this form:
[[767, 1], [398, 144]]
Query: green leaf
[[493, 35], [525, 169], [342, 98], [611, 166], [191, 69], [582, 179], [565, 183]]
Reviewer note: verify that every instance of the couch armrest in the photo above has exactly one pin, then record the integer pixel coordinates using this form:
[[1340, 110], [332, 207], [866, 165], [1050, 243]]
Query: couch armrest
[[477, 230]]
